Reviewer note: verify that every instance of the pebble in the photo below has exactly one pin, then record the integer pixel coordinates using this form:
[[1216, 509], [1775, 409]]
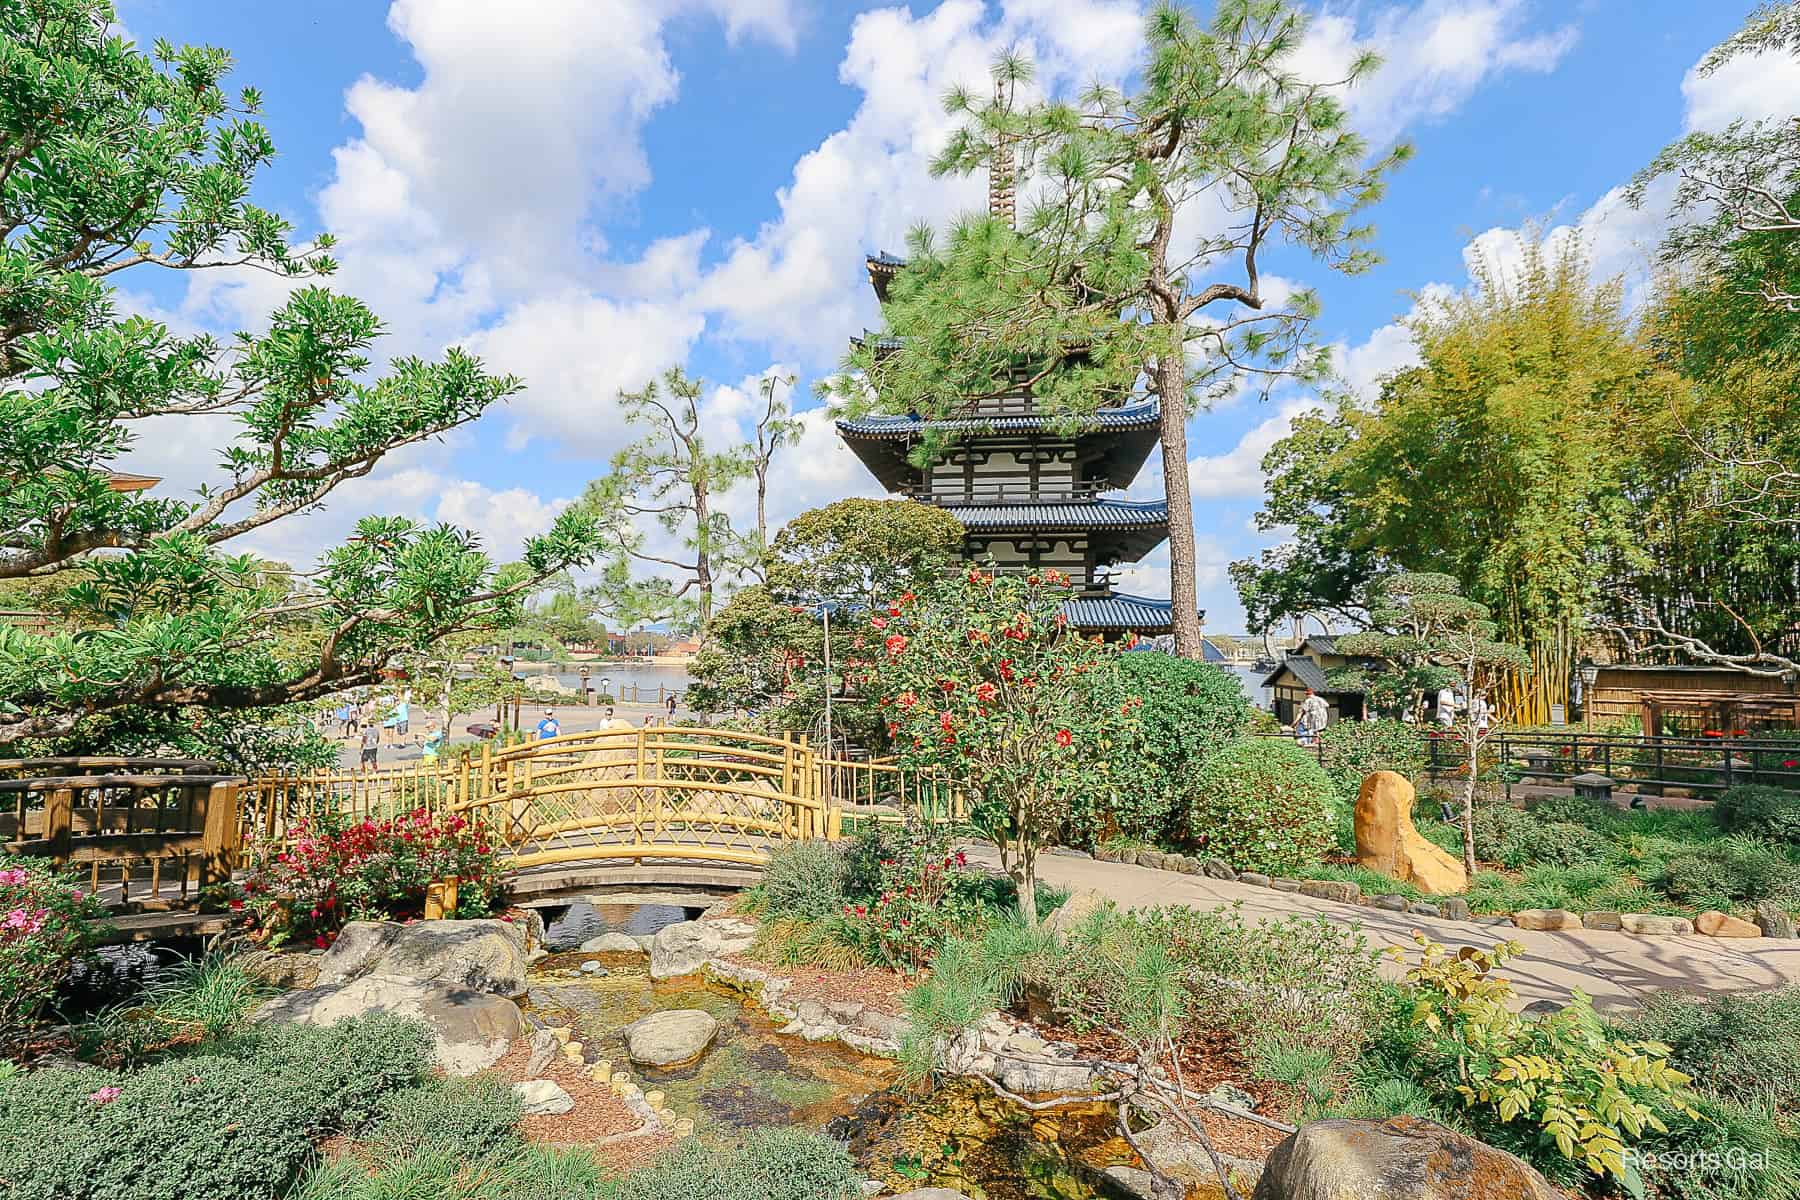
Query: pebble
[[593, 968]]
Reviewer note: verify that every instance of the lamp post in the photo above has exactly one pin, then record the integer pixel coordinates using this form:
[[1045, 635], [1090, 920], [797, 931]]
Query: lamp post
[[1590, 671], [586, 696]]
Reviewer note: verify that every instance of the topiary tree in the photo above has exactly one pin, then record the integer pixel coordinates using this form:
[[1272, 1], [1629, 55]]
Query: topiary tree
[[1187, 710], [1424, 619], [982, 682], [1263, 804]]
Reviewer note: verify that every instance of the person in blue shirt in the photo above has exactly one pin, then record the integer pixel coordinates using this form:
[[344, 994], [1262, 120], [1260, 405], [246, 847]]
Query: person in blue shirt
[[549, 727]]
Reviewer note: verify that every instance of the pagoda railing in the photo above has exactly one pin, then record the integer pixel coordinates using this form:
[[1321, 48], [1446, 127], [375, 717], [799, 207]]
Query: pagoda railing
[[1005, 492]]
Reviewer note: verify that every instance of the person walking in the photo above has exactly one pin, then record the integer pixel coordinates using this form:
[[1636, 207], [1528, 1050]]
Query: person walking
[[1314, 714], [549, 727], [671, 707], [371, 746], [1446, 707], [346, 719]]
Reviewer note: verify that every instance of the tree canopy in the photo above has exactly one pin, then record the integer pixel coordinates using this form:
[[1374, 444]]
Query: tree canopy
[[1108, 287], [113, 161]]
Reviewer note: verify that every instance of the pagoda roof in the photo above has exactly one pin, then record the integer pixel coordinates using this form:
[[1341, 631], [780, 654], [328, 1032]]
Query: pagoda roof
[[1120, 611], [1116, 441], [882, 269], [1143, 414], [1078, 514]]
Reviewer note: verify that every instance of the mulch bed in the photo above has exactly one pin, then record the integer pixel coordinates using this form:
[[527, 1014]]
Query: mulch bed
[[598, 1113]]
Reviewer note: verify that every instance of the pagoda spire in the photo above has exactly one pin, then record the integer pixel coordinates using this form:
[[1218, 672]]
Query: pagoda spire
[[1002, 175]]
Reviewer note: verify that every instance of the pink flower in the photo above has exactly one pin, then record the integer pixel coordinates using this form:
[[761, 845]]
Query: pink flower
[[105, 1095], [15, 877], [896, 645]]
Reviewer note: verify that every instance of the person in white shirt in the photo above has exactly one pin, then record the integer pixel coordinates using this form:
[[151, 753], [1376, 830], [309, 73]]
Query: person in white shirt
[[1446, 707], [1314, 714]]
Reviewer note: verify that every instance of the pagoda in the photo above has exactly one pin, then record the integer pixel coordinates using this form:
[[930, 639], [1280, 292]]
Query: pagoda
[[1028, 496]]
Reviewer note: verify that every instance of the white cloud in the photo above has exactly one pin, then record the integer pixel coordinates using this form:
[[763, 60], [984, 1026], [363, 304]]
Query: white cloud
[[1434, 56], [1362, 367], [1237, 473], [1749, 87]]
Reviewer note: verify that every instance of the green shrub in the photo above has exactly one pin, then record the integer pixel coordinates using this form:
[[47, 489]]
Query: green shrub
[[770, 1164], [198, 1000], [469, 1118], [863, 856], [1741, 1048], [1731, 871], [1354, 750], [1576, 810], [1726, 1151], [1515, 838], [48, 922], [1762, 812], [1190, 710], [525, 1173], [804, 879], [827, 942], [1263, 804], [236, 1122]]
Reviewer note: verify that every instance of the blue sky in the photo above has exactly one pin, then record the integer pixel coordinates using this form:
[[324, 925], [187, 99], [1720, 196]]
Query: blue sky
[[586, 191]]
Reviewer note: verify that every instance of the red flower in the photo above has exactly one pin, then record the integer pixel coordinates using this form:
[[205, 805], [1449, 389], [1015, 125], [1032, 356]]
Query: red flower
[[907, 699], [1790, 762], [946, 722], [237, 906], [896, 644], [948, 685], [986, 693], [1064, 737], [878, 622], [907, 597], [894, 609]]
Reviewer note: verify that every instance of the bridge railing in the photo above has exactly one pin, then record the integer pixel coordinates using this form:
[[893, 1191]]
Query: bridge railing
[[145, 833], [644, 792]]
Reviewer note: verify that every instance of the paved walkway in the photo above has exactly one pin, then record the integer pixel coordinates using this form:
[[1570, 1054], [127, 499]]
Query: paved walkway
[[1616, 969]]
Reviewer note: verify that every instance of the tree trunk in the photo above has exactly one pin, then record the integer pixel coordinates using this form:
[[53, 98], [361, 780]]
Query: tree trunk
[[1171, 387], [703, 580], [1468, 804], [1024, 878]]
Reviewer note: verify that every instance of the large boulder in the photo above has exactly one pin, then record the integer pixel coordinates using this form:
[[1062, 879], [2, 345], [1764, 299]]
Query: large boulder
[[1387, 842], [470, 1030], [613, 943], [1080, 905], [667, 1039], [682, 948], [481, 956], [1401, 1158]]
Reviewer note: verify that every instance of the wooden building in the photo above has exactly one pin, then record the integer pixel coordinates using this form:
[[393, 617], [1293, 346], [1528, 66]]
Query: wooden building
[[1688, 700], [1306, 668]]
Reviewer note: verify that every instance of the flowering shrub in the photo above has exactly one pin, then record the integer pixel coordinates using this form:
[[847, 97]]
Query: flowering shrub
[[924, 898], [46, 924], [983, 683], [331, 872]]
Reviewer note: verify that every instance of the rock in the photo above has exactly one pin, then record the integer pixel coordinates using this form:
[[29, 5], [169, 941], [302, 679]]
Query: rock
[[1493, 919], [1546, 919], [682, 948], [1601, 921], [1649, 925], [469, 1030], [1132, 1181], [1386, 840], [1253, 878], [1454, 908], [1542, 1008], [1156, 860], [1773, 920], [1038, 1078], [1184, 864], [1077, 908], [1285, 885], [1391, 902], [1025, 1043], [1402, 1158], [283, 969], [873, 1187], [613, 943], [1341, 890], [1232, 1097], [544, 1048], [592, 968], [931, 1194], [1108, 854], [1717, 924], [1218, 868], [542, 1097], [664, 1039], [482, 956], [1421, 909]]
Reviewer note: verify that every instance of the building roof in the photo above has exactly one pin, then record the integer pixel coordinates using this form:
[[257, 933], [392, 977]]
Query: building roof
[[1120, 611], [1307, 672], [1321, 643], [1085, 514], [1144, 414], [882, 268]]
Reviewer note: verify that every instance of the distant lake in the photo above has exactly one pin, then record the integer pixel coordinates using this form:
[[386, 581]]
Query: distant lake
[[646, 676]]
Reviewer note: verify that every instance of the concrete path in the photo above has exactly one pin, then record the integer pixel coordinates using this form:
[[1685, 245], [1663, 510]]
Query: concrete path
[[1616, 969]]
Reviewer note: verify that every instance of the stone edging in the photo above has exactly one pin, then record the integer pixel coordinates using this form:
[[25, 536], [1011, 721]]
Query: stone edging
[[1712, 924]]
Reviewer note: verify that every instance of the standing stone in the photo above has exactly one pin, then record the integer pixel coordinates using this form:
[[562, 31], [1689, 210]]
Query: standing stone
[[1652, 925], [1454, 908], [1773, 920], [1402, 1158], [1076, 909], [1386, 840]]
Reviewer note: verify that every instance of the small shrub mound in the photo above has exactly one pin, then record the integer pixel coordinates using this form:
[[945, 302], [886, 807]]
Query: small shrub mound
[[1761, 812], [1517, 839], [1742, 1048], [1263, 804], [1354, 750], [465, 1117], [235, 1123], [1731, 871]]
